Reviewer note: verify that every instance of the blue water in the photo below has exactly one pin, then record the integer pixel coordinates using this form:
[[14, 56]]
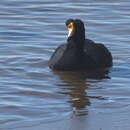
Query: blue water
[[29, 33]]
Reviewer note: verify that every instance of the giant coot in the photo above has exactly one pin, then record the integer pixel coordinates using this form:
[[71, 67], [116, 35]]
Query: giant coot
[[79, 53]]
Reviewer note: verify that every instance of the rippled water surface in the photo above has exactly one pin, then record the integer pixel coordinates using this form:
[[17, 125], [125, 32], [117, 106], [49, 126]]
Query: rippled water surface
[[30, 93]]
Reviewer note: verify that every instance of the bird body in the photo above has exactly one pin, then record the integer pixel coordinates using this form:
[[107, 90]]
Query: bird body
[[80, 53]]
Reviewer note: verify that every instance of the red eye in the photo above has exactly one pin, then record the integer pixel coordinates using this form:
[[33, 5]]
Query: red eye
[[69, 26]]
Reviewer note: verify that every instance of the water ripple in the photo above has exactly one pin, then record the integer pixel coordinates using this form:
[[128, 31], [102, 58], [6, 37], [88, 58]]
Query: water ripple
[[29, 33]]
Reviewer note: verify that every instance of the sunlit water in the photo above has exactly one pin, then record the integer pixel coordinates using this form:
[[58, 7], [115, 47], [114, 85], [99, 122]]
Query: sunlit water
[[30, 30]]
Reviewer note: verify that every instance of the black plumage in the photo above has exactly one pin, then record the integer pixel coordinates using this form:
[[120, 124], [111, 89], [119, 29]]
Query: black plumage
[[79, 53]]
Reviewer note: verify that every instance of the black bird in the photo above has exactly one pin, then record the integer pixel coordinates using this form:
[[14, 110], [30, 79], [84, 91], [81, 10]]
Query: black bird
[[79, 54]]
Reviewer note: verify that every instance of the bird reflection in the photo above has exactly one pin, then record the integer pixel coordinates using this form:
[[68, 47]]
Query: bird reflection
[[75, 85]]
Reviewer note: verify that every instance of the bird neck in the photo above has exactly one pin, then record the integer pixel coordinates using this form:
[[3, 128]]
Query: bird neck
[[76, 42]]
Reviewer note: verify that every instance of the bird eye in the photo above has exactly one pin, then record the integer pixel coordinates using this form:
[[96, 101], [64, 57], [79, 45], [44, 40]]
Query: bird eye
[[69, 26]]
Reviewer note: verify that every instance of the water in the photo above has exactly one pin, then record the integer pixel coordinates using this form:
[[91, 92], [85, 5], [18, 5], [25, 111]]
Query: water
[[32, 94]]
